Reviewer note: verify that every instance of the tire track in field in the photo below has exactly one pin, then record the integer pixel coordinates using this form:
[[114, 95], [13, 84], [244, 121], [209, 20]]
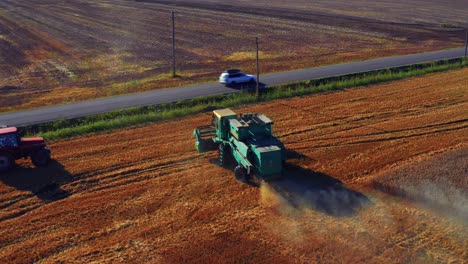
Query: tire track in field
[[438, 128], [356, 121], [406, 136], [133, 173]]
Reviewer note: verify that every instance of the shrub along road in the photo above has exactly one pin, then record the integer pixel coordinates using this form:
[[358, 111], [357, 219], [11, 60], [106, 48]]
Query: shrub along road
[[52, 113]]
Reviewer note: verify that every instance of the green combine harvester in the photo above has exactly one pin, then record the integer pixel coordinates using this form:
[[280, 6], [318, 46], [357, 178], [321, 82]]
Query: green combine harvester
[[247, 140]]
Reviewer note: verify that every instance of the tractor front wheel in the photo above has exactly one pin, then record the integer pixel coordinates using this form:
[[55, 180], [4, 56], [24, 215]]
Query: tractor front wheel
[[241, 173], [6, 162], [41, 157]]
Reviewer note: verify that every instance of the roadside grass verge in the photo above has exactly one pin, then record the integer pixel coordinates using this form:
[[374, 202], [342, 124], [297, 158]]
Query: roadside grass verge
[[142, 115]]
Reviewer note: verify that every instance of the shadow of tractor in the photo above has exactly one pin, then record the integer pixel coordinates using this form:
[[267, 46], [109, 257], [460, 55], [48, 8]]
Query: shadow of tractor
[[43, 182], [304, 188]]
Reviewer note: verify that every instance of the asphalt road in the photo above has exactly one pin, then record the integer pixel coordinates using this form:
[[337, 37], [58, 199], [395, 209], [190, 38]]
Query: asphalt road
[[80, 109]]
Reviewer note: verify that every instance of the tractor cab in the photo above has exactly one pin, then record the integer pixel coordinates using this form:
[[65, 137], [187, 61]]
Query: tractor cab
[[13, 147], [9, 138]]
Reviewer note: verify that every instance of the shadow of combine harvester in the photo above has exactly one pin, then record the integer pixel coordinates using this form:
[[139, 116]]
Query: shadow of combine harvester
[[43, 182], [304, 188]]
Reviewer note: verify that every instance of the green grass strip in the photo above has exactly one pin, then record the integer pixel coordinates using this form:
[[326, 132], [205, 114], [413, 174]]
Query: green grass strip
[[142, 115]]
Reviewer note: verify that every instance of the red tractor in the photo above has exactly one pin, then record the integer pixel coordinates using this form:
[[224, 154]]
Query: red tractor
[[13, 147]]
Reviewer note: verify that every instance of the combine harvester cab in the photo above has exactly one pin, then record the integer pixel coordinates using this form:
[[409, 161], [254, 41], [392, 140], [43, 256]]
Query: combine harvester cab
[[247, 140]]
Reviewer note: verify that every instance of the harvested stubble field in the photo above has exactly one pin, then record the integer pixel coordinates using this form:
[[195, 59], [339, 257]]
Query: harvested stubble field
[[440, 182], [145, 195], [63, 51]]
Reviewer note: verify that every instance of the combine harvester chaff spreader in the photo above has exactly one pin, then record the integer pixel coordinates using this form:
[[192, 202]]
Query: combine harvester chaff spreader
[[245, 140]]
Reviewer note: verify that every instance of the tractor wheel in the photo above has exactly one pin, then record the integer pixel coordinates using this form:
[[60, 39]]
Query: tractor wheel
[[241, 173], [6, 162], [40, 158]]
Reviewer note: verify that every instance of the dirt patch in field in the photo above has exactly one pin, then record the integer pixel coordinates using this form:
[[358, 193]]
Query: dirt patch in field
[[145, 195], [90, 45]]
